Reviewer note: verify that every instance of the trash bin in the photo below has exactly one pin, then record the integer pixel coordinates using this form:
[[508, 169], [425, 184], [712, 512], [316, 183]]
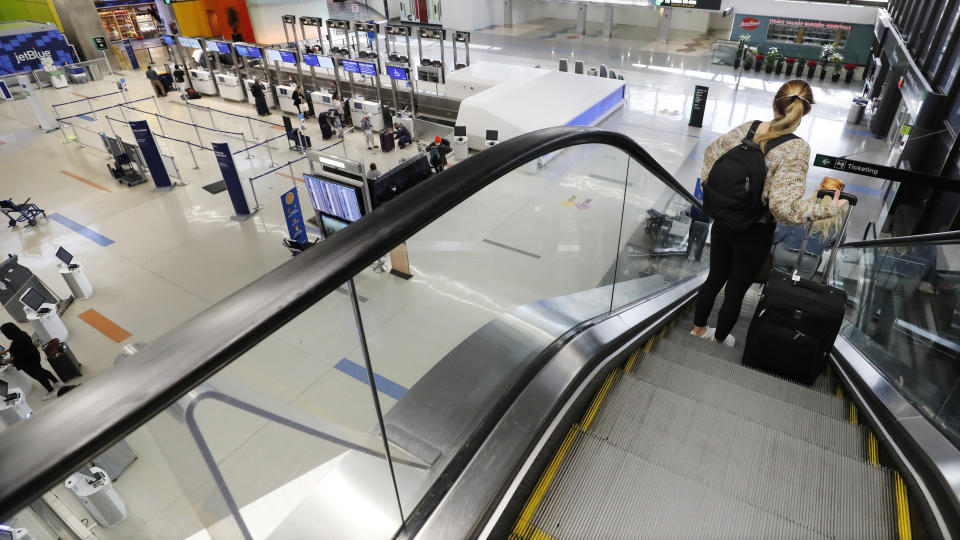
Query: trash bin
[[855, 116]]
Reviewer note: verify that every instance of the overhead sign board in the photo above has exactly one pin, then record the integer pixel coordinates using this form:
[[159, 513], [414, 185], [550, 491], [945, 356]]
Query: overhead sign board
[[24, 52], [886, 173], [367, 68], [350, 65], [289, 57], [318, 60], [397, 72], [274, 55], [696, 4], [248, 51], [189, 42]]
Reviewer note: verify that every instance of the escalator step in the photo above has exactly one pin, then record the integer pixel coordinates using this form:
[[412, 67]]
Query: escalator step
[[680, 336], [605, 492], [825, 404], [816, 488], [804, 424]]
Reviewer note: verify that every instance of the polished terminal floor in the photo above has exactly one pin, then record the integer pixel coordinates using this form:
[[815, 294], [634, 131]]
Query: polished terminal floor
[[157, 258]]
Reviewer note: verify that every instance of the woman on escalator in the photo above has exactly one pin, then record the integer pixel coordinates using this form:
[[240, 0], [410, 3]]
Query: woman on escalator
[[739, 247]]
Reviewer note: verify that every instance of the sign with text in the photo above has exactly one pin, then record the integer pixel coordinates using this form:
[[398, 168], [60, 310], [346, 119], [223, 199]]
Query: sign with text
[[4, 91], [248, 51], [350, 65], [293, 215], [100, 43], [886, 173], [289, 57], [150, 152], [397, 72], [366, 68], [696, 4], [318, 61], [699, 105], [231, 179], [220, 46], [811, 24], [23, 52]]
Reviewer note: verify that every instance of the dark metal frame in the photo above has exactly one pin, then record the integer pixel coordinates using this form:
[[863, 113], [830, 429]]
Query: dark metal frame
[[84, 423], [950, 237]]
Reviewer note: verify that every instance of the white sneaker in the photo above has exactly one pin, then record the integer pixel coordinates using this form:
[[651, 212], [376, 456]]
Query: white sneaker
[[709, 333], [729, 341], [49, 396]]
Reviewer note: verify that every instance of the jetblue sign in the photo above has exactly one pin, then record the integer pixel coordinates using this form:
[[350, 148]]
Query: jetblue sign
[[22, 52]]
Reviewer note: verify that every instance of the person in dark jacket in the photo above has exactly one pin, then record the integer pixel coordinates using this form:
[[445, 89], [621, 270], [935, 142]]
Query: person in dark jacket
[[298, 99], [402, 135], [437, 152], [179, 78], [25, 357], [259, 97]]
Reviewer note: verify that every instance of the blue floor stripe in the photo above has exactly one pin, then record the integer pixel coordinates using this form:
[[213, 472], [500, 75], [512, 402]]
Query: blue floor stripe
[[80, 229], [863, 189], [88, 118], [859, 132], [359, 373]]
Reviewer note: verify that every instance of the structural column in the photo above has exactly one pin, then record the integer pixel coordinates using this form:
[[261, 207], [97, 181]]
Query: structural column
[[581, 19], [663, 24], [608, 21], [508, 13]]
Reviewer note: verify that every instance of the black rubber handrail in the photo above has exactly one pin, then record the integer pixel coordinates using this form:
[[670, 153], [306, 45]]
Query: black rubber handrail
[[949, 237], [54, 443]]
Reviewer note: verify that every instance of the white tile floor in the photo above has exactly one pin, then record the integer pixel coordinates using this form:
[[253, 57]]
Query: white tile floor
[[176, 253]]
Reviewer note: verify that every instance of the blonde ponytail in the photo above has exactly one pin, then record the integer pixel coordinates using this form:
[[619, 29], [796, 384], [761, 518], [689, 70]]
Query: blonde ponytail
[[793, 101]]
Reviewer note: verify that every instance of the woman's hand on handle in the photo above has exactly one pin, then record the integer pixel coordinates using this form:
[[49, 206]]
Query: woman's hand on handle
[[837, 202]]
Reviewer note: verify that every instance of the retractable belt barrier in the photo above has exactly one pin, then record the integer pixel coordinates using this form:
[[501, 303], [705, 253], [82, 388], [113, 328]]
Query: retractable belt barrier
[[83, 99]]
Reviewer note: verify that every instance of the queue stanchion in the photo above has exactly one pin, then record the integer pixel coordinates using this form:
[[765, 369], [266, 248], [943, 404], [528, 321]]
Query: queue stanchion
[[160, 125], [252, 132], [293, 177], [62, 131], [256, 200], [212, 123], [92, 112], [123, 113], [195, 164], [269, 153], [245, 145]]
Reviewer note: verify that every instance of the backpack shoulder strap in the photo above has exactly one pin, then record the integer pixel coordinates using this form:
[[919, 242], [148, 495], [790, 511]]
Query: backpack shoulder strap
[[771, 144], [753, 130]]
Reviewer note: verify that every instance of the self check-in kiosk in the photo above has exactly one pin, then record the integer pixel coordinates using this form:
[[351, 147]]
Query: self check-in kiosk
[[252, 55], [315, 23], [201, 79], [291, 21], [431, 70], [461, 37], [339, 53], [322, 98], [229, 84]]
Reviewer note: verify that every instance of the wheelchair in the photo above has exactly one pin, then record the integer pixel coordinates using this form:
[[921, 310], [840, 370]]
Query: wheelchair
[[20, 213]]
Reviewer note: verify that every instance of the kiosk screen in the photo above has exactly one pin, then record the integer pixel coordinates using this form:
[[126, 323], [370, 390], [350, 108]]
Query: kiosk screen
[[330, 225], [222, 47], [366, 68], [351, 66], [64, 256], [459, 131], [249, 52], [274, 55], [334, 198], [33, 299], [492, 134], [288, 56], [168, 39]]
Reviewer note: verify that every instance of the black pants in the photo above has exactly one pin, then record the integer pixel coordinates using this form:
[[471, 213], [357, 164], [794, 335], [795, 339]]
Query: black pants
[[735, 259], [41, 375]]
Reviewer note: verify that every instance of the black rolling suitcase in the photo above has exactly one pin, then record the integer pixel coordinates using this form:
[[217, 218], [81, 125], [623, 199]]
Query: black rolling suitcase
[[797, 321], [386, 140], [62, 360], [325, 130]]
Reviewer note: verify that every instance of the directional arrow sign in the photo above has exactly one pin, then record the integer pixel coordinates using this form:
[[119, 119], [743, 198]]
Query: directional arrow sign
[[886, 173]]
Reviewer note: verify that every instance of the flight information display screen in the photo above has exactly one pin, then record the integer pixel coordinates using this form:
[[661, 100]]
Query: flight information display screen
[[351, 66], [274, 55], [221, 46], [189, 42], [334, 198], [288, 56]]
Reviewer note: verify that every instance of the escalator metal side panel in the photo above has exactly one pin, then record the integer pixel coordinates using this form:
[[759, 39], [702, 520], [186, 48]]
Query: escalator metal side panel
[[506, 464], [929, 462]]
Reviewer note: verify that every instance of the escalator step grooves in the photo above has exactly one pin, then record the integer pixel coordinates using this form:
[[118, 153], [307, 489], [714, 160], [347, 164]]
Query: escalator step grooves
[[607, 492], [801, 481], [837, 435], [763, 383]]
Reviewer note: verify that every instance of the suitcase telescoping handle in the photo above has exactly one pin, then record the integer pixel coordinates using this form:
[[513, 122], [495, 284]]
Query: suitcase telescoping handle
[[852, 200]]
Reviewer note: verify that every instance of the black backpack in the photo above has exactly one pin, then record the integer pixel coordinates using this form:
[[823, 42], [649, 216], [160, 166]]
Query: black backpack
[[732, 193]]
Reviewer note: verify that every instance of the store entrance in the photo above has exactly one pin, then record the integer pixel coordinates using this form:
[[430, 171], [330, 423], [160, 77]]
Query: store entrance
[[131, 21]]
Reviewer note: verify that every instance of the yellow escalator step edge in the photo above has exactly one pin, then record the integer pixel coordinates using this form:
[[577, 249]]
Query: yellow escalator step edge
[[541, 488], [597, 401]]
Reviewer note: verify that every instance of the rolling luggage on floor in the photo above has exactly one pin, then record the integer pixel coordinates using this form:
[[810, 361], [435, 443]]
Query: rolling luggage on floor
[[325, 130], [386, 140], [797, 319], [62, 360]]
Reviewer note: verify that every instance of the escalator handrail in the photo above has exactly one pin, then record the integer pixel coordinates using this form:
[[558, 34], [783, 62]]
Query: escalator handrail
[[949, 237], [38, 453]]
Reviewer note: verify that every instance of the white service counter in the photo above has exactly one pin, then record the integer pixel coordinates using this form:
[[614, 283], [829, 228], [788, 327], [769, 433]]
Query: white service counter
[[230, 87], [202, 81]]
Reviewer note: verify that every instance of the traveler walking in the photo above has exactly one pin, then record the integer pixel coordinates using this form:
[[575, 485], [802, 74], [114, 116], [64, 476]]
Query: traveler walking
[[154, 79], [775, 163]]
